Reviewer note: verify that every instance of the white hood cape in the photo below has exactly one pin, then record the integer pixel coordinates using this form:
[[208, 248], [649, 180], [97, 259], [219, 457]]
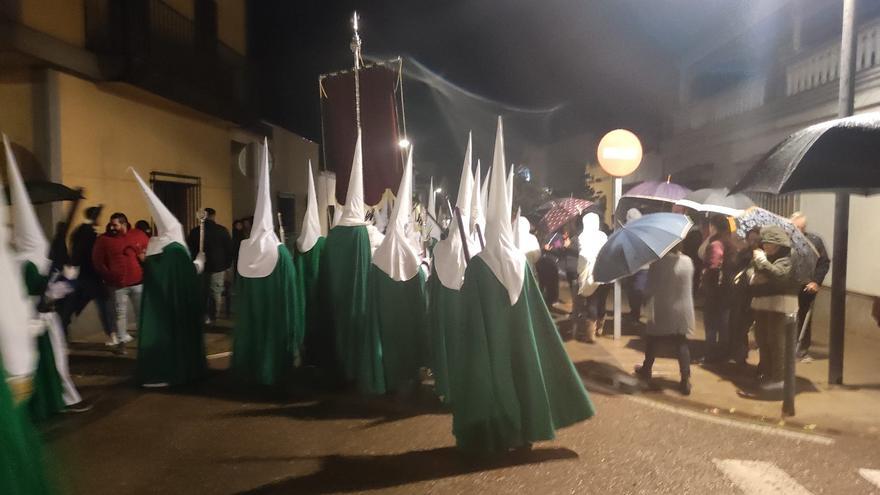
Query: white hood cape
[[168, 228], [501, 254], [396, 256], [354, 211], [311, 226], [27, 236], [258, 254], [449, 262]]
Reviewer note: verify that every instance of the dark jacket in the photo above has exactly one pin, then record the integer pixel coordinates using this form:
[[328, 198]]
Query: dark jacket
[[218, 246], [824, 262], [81, 244], [773, 285]]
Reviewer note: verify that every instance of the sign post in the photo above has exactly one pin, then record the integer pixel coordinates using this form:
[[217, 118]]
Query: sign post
[[619, 154]]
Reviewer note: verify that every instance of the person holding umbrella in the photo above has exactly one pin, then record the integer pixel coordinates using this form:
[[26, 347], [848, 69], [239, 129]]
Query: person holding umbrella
[[716, 254], [774, 290]]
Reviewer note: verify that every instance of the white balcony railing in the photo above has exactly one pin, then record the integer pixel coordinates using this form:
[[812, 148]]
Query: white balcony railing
[[822, 66], [739, 99]]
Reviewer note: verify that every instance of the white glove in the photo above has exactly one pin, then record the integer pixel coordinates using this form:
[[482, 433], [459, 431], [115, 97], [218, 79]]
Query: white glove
[[759, 255], [70, 272], [199, 263], [36, 326]]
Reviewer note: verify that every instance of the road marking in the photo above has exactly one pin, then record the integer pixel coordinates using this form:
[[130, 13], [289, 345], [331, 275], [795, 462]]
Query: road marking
[[768, 430], [759, 478], [872, 475], [219, 355]]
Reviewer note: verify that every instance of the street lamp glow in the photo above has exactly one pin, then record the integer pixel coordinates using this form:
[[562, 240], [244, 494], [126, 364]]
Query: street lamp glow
[[619, 153], [404, 143]]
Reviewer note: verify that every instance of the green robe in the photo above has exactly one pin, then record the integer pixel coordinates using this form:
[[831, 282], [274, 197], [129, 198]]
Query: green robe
[[268, 324], [398, 310], [171, 344], [46, 400], [357, 345], [21, 455], [512, 382], [316, 341], [446, 312]]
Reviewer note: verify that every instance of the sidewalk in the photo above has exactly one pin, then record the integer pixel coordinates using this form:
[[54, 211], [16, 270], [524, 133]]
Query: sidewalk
[[852, 409]]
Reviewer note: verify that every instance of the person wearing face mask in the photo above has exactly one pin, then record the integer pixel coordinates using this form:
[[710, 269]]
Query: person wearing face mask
[[774, 291]]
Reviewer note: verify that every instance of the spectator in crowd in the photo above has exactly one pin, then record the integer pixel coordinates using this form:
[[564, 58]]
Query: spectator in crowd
[[565, 249], [774, 301], [717, 255], [117, 257], [672, 313], [144, 226], [741, 317], [635, 285], [218, 258], [811, 288], [88, 286], [238, 235]]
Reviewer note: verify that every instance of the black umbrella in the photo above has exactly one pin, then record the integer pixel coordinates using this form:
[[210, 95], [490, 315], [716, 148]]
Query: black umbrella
[[837, 155], [43, 191]]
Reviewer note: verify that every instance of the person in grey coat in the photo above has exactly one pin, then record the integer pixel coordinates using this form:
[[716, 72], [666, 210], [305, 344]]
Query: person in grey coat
[[670, 287]]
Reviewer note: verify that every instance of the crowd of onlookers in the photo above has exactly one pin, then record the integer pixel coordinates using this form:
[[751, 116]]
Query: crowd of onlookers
[[743, 285], [111, 272]]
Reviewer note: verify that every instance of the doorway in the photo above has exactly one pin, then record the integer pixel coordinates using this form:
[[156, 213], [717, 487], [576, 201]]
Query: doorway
[[182, 194]]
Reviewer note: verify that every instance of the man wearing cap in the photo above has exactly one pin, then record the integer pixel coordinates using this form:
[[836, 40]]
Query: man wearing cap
[[775, 300]]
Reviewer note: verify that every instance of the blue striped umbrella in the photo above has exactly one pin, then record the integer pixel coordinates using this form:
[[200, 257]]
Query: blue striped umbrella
[[639, 243]]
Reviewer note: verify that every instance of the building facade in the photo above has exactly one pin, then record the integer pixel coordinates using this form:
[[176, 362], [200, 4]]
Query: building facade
[[90, 88]]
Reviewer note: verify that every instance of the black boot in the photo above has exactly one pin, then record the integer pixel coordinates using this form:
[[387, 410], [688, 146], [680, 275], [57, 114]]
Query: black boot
[[685, 386]]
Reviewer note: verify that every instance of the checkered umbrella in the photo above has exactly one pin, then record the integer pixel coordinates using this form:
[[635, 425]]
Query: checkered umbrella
[[803, 254], [560, 211]]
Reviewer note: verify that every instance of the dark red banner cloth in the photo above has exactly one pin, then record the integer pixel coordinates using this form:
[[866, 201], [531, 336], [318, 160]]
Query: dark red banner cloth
[[383, 163]]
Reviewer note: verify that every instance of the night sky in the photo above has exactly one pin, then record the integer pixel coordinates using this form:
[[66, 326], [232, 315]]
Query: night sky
[[558, 71]]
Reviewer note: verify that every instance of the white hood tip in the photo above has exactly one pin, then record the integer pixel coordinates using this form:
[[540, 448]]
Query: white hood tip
[[258, 254], [168, 228], [354, 212], [311, 230], [396, 256], [17, 345], [449, 262], [27, 235], [502, 256]]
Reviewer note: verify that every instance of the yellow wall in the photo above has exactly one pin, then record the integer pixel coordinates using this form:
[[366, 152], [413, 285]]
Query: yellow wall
[[104, 132], [232, 24], [16, 113], [185, 7], [62, 19]]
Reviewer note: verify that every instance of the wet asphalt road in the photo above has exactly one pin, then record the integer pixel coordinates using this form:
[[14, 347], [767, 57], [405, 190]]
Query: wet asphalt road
[[217, 439]]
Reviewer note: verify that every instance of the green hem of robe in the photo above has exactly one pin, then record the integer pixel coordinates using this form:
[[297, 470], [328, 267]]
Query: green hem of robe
[[398, 311], [446, 312], [46, 400], [357, 345], [308, 272], [171, 343], [512, 383], [268, 325]]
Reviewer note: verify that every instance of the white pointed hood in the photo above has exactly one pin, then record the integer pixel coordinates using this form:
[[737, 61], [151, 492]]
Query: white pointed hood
[[258, 254], [478, 215], [433, 226], [524, 239], [27, 235], [17, 343], [354, 212], [449, 262], [510, 186], [311, 226], [501, 254], [484, 197], [168, 228], [396, 256]]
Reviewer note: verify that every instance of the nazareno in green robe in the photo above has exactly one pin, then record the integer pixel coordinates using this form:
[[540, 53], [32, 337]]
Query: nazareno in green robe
[[22, 468], [357, 345], [46, 400], [171, 343], [445, 312], [398, 313], [316, 338], [512, 381], [268, 332]]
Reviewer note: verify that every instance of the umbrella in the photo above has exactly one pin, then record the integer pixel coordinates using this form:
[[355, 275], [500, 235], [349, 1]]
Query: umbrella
[[560, 211], [639, 243], [803, 254], [716, 201], [43, 191], [667, 191], [840, 155]]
